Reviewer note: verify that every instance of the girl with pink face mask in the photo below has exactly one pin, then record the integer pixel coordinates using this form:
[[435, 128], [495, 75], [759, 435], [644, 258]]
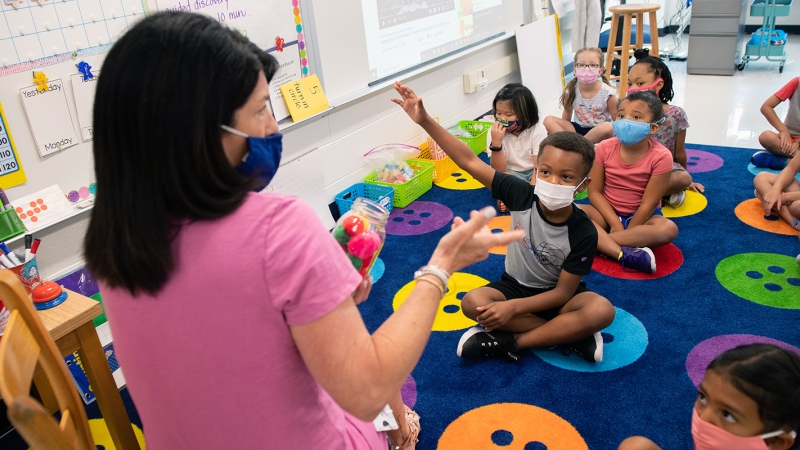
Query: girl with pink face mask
[[749, 399], [589, 103]]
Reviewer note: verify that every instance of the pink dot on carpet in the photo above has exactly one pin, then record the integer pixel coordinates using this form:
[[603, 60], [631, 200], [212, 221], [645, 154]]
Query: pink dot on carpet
[[409, 392]]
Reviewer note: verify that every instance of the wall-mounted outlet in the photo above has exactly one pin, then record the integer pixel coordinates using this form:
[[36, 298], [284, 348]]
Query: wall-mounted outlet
[[479, 79]]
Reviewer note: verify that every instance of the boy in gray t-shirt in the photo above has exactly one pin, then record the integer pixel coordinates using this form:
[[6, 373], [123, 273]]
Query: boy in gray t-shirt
[[541, 300]]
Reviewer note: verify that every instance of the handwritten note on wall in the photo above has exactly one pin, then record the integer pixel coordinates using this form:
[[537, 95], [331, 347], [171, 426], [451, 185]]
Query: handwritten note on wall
[[48, 115], [304, 97], [84, 90]]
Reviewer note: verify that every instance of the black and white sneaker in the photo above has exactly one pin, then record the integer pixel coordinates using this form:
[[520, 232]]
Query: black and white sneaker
[[477, 342], [590, 349]]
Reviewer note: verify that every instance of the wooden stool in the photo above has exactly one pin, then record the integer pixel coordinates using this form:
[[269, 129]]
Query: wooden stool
[[628, 12]]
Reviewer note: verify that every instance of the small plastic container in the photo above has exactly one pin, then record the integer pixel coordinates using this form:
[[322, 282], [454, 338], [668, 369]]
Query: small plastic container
[[412, 189], [383, 195], [10, 224], [361, 232]]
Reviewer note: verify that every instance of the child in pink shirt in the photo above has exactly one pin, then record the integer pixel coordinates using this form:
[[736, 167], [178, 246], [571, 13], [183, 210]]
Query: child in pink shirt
[[630, 175]]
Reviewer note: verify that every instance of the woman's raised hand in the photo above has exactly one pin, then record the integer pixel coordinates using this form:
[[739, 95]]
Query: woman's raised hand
[[469, 242], [410, 103]]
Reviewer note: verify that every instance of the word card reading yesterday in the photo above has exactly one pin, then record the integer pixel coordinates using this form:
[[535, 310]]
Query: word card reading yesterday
[[49, 117]]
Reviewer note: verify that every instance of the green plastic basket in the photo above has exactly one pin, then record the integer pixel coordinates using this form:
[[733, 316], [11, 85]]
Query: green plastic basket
[[413, 189], [475, 136]]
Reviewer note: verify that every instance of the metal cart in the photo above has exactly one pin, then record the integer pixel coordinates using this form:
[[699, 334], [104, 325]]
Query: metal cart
[[767, 41]]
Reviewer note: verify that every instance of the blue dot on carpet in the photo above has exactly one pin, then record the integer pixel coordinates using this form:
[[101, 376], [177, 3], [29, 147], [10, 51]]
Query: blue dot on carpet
[[502, 438], [461, 180], [377, 270], [776, 269], [535, 446], [793, 281], [414, 222], [772, 287], [461, 295], [629, 343], [607, 338], [425, 214], [397, 219], [451, 309], [771, 217], [754, 275]]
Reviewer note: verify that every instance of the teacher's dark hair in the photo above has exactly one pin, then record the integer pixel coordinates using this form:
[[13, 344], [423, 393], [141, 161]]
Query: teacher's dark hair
[[164, 89]]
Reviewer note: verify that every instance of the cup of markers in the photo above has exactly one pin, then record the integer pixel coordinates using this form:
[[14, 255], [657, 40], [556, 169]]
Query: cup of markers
[[45, 294]]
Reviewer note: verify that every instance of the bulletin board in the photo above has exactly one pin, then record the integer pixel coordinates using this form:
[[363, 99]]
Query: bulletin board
[[54, 36]]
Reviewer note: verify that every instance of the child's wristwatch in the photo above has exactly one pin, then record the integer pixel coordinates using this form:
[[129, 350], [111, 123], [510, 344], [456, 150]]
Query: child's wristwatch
[[495, 149]]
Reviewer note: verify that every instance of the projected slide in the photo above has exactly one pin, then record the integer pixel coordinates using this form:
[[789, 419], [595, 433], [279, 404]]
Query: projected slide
[[404, 33]]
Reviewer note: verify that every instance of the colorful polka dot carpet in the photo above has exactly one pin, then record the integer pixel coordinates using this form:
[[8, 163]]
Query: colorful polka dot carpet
[[729, 278]]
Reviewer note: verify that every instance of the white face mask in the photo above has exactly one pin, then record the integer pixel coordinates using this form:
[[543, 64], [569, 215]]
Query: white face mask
[[555, 196]]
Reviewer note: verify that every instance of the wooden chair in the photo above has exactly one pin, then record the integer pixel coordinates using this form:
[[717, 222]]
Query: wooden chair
[[627, 13], [25, 343]]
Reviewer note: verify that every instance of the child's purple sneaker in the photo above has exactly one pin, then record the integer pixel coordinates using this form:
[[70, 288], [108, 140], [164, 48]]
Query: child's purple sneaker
[[767, 160], [641, 259]]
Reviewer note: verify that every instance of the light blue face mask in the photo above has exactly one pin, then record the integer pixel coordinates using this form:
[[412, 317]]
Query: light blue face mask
[[630, 132], [263, 158]]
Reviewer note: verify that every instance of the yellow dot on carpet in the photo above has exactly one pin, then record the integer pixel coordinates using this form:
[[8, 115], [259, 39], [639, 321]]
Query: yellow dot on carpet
[[102, 436], [510, 426], [449, 316], [751, 212], [460, 181], [694, 203]]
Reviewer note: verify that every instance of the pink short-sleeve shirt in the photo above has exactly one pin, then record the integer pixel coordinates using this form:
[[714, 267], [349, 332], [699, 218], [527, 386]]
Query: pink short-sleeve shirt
[[625, 183], [210, 360]]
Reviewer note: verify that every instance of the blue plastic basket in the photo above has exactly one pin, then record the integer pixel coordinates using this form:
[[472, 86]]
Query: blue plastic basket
[[381, 194]]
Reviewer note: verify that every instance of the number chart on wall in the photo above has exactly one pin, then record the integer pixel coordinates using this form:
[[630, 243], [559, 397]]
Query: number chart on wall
[[11, 173], [37, 33]]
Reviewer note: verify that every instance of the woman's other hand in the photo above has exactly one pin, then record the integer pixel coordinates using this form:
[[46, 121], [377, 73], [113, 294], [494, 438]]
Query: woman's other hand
[[469, 242]]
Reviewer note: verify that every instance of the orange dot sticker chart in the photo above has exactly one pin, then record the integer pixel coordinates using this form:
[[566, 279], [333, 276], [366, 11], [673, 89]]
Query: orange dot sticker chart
[[42, 208], [11, 173]]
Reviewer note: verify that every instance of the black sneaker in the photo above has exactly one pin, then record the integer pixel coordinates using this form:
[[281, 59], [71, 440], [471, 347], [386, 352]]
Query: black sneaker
[[477, 342], [590, 349]]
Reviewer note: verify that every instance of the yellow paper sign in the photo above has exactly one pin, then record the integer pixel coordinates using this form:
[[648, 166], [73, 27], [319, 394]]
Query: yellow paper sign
[[11, 173], [304, 97]]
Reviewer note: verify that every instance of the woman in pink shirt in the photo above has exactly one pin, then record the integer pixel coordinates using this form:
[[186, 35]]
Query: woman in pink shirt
[[233, 313], [629, 177]]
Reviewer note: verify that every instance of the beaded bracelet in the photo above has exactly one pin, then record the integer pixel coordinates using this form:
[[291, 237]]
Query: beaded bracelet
[[433, 270]]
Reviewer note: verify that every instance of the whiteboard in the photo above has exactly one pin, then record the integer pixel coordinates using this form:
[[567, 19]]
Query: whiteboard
[[262, 21], [540, 66], [341, 43]]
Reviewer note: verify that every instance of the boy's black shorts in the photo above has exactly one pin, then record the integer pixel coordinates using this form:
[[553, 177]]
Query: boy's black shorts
[[511, 289]]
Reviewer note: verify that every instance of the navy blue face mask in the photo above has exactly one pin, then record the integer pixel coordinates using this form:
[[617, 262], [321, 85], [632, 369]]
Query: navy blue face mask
[[262, 159]]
